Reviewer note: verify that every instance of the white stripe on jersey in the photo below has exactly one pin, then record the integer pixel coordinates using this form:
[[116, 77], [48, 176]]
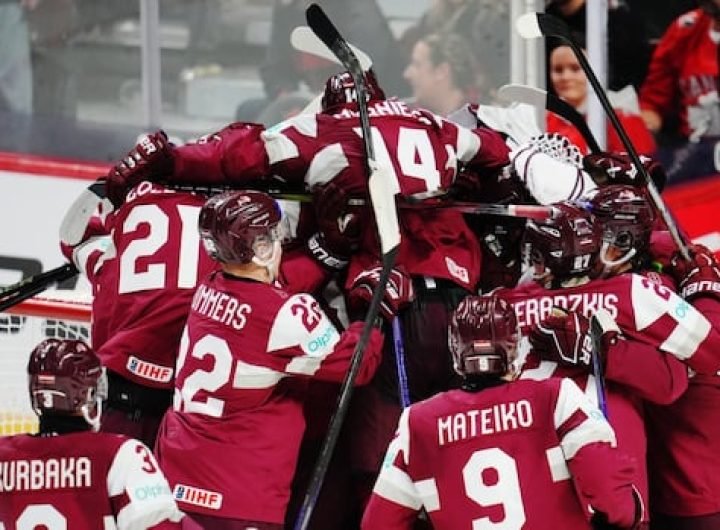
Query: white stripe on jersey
[[326, 165], [135, 472], [468, 144], [557, 464], [279, 147], [83, 253], [594, 428], [252, 376]]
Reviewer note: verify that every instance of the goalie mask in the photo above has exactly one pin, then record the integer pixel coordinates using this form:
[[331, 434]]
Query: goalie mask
[[626, 218], [563, 247], [242, 227], [340, 90], [483, 336], [65, 377]]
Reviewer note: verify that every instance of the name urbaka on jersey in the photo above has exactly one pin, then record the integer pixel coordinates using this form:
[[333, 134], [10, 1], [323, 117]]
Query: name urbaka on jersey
[[52, 473]]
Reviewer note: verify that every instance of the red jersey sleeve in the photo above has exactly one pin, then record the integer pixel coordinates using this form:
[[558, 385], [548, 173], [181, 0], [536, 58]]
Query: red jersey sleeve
[[236, 154]]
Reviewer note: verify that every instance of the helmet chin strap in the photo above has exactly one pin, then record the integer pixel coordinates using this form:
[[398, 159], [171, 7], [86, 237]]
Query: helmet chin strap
[[272, 264], [610, 264], [93, 420]]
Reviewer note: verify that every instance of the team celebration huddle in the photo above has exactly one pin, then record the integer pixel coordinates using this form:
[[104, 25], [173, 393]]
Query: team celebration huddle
[[373, 316]]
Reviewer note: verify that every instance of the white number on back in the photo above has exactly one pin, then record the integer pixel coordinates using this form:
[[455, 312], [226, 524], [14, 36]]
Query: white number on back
[[44, 516], [415, 155], [491, 478], [158, 230]]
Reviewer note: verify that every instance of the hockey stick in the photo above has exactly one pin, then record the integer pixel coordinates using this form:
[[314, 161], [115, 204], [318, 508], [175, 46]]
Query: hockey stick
[[528, 211], [600, 322], [399, 350], [543, 99], [29, 287], [535, 25], [383, 204], [303, 39]]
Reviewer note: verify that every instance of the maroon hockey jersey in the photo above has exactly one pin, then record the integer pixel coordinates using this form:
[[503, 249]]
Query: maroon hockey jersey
[[230, 444], [511, 456], [645, 307], [683, 456], [143, 275], [422, 149], [82, 481]]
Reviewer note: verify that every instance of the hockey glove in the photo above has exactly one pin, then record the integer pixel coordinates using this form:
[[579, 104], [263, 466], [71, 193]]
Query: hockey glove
[[618, 168], [399, 292], [698, 277], [564, 337], [341, 213], [150, 159]]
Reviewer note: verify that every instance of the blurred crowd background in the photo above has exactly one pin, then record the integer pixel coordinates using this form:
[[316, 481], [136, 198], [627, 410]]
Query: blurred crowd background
[[71, 81]]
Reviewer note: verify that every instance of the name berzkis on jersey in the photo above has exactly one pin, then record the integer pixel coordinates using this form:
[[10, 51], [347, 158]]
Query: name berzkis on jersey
[[477, 422], [52, 473]]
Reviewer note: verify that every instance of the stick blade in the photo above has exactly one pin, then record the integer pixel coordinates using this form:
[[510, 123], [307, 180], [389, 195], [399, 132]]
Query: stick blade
[[382, 195], [528, 26], [536, 97], [73, 225], [303, 39]]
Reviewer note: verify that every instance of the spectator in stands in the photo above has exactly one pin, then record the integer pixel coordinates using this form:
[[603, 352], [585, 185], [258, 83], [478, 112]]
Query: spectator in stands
[[628, 47], [570, 83], [482, 24], [680, 95], [442, 73], [683, 75], [15, 69]]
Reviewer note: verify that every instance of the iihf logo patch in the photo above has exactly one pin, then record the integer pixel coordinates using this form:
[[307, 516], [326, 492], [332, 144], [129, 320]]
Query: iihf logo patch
[[197, 496], [146, 370]]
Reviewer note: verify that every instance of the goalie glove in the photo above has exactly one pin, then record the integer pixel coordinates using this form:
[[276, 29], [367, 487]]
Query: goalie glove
[[150, 159], [399, 292], [549, 166], [698, 277], [564, 337], [618, 168], [558, 147]]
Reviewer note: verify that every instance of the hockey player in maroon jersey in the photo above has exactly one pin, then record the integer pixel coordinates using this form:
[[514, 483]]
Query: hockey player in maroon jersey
[[554, 310], [143, 261], [324, 152], [500, 451], [237, 411], [67, 475], [683, 438]]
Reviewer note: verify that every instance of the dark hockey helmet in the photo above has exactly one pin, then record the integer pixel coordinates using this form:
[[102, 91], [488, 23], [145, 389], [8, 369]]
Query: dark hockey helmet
[[340, 90], [238, 225], [711, 7], [566, 245], [65, 377], [626, 218], [483, 336]]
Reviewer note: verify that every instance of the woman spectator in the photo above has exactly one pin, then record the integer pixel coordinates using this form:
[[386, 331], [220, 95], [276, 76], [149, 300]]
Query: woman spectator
[[570, 83]]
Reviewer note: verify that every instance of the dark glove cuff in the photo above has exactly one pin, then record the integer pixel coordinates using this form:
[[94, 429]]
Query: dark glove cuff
[[318, 250], [696, 289]]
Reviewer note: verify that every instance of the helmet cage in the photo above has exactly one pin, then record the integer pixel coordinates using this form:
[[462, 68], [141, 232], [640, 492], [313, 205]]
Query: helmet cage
[[627, 220]]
